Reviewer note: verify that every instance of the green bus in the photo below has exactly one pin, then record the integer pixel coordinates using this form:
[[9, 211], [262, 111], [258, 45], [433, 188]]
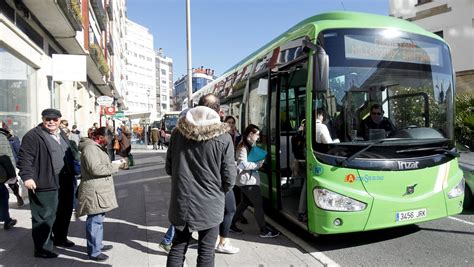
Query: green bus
[[170, 119], [341, 64]]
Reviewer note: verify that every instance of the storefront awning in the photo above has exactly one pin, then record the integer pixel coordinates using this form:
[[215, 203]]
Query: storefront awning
[[132, 116]]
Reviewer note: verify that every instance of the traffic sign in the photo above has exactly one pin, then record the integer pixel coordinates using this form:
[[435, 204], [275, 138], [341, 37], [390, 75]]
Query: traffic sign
[[119, 114], [104, 100], [110, 110]]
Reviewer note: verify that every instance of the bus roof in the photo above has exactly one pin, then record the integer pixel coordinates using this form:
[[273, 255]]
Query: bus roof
[[330, 20], [340, 19]]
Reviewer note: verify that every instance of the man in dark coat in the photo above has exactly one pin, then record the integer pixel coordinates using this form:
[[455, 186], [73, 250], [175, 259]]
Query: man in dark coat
[[46, 167], [200, 160]]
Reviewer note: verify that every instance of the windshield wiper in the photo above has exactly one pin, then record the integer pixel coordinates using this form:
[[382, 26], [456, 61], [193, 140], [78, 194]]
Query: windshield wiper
[[353, 156], [451, 152]]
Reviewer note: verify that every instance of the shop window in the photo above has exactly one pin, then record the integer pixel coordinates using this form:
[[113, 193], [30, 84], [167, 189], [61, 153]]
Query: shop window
[[16, 78]]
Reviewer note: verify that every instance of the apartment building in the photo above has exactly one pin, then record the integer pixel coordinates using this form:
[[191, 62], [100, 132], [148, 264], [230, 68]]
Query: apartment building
[[31, 32], [140, 93], [453, 20], [164, 83]]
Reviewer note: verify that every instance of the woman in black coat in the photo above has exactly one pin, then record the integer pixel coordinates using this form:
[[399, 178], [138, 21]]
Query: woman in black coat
[[6, 171]]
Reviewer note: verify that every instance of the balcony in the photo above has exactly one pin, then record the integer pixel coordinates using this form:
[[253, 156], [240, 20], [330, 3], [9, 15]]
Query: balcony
[[98, 69], [100, 14], [72, 9], [59, 17], [98, 56], [110, 10]]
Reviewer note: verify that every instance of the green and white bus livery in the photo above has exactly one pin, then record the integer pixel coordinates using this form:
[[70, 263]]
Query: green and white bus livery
[[342, 63]]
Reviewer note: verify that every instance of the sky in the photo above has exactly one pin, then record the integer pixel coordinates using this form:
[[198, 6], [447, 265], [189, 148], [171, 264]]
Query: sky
[[223, 32]]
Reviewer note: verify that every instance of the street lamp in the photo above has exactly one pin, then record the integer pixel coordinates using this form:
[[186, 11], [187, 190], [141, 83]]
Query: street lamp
[[147, 119], [188, 46]]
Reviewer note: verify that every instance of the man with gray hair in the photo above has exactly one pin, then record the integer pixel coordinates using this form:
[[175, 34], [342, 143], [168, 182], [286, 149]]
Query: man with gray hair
[[46, 167], [200, 160]]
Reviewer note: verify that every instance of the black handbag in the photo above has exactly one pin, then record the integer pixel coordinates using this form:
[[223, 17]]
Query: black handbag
[[7, 170]]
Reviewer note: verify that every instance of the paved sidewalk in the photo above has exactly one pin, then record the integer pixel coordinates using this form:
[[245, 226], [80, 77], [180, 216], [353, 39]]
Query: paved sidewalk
[[138, 225]]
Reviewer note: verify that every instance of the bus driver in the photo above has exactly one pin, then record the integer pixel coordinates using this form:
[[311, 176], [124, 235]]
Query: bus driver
[[376, 120]]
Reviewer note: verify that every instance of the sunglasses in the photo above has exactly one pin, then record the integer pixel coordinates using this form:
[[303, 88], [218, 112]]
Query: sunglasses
[[51, 119], [376, 113]]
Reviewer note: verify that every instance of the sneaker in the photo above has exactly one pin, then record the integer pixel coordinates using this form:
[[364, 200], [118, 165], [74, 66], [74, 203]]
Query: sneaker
[[227, 248], [269, 233], [9, 223], [234, 229], [20, 202], [165, 247]]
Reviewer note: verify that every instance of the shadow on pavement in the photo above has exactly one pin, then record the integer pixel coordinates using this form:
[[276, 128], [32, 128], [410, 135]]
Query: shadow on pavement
[[20, 253], [333, 242], [340, 241], [447, 231], [114, 232]]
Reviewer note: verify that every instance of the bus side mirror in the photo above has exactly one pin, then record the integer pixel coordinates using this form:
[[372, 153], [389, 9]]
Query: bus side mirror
[[321, 70]]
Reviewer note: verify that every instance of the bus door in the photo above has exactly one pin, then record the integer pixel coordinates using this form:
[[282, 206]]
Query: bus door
[[292, 153], [256, 112]]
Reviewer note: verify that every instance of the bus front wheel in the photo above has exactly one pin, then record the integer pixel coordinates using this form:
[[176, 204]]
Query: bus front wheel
[[467, 197]]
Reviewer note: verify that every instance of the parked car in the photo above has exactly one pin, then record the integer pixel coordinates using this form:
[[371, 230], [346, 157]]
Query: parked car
[[466, 162]]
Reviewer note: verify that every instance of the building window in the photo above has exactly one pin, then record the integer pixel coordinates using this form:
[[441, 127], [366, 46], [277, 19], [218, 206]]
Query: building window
[[421, 2], [163, 72], [16, 79], [7, 10], [29, 31]]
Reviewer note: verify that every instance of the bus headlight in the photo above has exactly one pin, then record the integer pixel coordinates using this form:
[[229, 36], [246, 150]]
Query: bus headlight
[[329, 200], [457, 190]]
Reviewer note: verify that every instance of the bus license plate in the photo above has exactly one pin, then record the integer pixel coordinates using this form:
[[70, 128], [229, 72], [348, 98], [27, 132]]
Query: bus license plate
[[410, 215]]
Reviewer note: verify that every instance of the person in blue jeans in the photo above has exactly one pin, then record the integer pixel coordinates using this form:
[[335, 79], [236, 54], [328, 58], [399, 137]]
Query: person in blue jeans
[[96, 193], [167, 241], [224, 245]]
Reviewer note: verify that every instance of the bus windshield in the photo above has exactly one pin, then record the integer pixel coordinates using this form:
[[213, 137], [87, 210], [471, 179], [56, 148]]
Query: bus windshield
[[170, 121], [385, 84]]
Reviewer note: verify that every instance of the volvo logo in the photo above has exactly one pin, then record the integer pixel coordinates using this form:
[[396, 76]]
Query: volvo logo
[[407, 165], [410, 190]]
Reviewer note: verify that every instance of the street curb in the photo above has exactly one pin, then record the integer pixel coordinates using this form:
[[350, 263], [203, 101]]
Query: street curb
[[316, 254]]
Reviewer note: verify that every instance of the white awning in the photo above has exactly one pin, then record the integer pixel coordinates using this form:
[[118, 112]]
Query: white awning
[[134, 115]]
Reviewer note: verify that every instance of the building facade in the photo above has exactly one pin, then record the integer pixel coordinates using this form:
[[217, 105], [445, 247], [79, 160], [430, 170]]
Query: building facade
[[30, 33], [140, 92], [164, 83], [118, 27], [453, 20], [201, 77]]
